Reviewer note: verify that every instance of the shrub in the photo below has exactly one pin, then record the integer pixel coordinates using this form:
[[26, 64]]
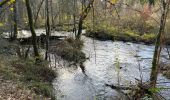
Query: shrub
[[70, 50]]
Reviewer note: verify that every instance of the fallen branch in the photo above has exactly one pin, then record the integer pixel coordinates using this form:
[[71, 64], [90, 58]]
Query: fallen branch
[[120, 87]]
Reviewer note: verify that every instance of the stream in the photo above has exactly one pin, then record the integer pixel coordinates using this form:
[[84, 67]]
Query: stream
[[105, 58], [109, 63]]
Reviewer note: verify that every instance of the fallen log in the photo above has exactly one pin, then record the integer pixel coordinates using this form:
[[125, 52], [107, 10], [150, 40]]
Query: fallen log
[[120, 87]]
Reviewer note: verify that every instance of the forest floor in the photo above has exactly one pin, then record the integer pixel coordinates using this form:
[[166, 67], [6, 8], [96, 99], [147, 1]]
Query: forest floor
[[10, 90], [23, 79], [13, 87]]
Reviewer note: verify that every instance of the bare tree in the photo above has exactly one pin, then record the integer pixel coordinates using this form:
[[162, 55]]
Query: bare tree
[[15, 20], [34, 40], [158, 44], [47, 28], [82, 18]]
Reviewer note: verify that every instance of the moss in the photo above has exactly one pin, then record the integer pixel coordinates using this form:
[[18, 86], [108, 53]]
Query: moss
[[121, 35], [148, 36], [131, 33]]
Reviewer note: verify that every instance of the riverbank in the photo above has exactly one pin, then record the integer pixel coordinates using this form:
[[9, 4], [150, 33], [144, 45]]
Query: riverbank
[[125, 36], [24, 79], [165, 69], [102, 68]]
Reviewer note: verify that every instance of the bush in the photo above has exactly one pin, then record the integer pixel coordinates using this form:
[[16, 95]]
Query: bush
[[70, 50]]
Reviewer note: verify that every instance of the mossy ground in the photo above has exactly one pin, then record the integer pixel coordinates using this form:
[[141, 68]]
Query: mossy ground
[[133, 29], [122, 35]]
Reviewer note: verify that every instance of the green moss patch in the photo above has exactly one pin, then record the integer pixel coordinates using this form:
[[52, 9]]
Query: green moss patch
[[122, 35]]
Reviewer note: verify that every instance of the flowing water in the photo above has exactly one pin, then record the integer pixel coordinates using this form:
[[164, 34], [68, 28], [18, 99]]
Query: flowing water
[[109, 63]]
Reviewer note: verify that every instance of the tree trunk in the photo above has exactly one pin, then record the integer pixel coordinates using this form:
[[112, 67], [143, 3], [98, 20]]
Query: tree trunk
[[82, 18], [47, 29], [15, 21], [31, 24], [38, 11], [158, 46], [52, 14], [80, 27]]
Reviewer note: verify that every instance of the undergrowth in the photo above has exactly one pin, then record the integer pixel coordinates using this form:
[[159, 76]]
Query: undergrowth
[[70, 50], [35, 76]]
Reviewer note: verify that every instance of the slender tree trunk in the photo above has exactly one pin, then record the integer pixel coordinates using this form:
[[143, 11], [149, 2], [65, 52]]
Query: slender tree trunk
[[52, 14], [74, 19], [47, 29], [158, 46], [82, 18], [80, 27], [15, 21], [31, 24], [36, 17]]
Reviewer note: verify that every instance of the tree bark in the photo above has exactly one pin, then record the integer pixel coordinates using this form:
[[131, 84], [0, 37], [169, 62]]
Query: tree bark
[[158, 46], [47, 29], [15, 21], [38, 11], [31, 24], [82, 18]]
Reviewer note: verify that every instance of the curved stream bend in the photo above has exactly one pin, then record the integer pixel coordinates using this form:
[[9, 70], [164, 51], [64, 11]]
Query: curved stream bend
[[102, 68]]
